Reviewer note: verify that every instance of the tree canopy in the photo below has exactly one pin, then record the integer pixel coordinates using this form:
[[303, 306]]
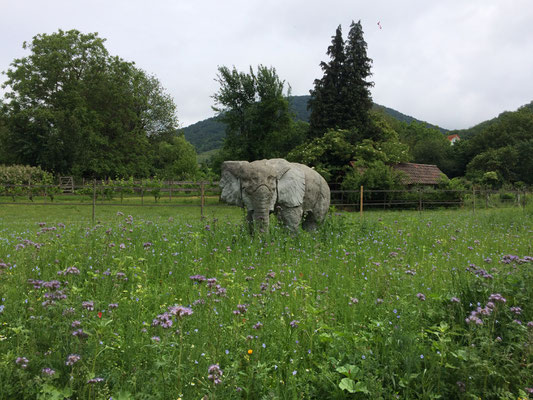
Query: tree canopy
[[255, 108], [72, 108]]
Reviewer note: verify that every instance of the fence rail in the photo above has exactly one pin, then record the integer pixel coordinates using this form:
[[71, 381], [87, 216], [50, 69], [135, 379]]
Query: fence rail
[[206, 193]]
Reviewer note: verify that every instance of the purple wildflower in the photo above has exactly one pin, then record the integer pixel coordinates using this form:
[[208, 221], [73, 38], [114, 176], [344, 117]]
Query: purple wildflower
[[156, 338], [353, 300], [48, 371], [112, 306], [88, 305], [180, 311], [121, 275], [95, 380], [69, 270], [455, 300], [259, 325], [80, 333], [516, 310], [294, 323], [22, 362], [54, 285], [164, 320], [497, 297], [72, 359], [198, 278], [75, 324], [215, 374], [421, 296]]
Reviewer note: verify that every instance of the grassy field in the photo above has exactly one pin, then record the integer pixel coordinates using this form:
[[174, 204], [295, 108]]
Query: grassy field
[[156, 303]]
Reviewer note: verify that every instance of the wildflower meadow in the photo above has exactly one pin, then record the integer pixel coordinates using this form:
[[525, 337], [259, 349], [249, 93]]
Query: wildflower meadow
[[160, 304]]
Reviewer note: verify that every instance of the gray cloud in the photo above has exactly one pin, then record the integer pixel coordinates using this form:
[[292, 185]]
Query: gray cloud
[[452, 63]]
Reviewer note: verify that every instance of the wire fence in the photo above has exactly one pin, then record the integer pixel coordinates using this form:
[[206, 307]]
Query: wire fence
[[206, 194], [427, 198]]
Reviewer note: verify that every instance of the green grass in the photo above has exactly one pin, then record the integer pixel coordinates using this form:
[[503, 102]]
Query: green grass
[[360, 309]]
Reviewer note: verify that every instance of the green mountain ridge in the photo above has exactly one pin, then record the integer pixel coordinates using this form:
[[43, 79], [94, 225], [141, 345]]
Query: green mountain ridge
[[209, 134]]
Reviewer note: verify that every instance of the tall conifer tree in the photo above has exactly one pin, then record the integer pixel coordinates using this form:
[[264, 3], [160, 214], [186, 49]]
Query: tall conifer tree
[[342, 99], [325, 97], [356, 96]]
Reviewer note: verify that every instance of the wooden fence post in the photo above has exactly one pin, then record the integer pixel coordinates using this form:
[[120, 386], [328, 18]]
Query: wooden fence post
[[202, 193], [94, 197], [361, 204], [474, 199]]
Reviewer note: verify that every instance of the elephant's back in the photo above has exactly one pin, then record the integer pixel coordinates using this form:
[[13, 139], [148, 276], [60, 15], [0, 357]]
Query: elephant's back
[[317, 193]]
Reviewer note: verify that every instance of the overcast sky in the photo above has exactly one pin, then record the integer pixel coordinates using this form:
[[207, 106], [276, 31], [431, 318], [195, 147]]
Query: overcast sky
[[453, 63]]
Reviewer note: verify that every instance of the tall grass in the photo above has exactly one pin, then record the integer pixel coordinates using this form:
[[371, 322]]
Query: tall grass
[[152, 306]]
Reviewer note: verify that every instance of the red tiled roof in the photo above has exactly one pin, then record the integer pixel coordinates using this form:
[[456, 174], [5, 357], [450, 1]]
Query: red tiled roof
[[422, 174], [451, 137]]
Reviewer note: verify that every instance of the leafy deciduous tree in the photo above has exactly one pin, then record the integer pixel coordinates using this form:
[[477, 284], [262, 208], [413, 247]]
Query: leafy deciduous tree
[[73, 108], [256, 112]]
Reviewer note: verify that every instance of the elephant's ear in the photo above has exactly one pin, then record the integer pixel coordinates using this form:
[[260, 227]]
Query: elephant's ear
[[291, 187], [231, 188]]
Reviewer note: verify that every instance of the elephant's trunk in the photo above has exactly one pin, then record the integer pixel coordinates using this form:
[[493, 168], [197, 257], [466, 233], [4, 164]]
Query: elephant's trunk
[[262, 200]]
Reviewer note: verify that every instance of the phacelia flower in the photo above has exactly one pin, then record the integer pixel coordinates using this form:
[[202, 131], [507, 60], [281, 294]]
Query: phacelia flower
[[48, 371], [455, 300], [215, 374], [180, 311], [22, 362], [72, 359]]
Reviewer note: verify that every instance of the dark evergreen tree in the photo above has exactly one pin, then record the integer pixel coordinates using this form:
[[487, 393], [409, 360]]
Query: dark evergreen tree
[[325, 101], [342, 99], [356, 96]]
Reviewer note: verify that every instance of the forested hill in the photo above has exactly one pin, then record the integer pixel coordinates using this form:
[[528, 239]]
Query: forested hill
[[209, 134], [482, 126]]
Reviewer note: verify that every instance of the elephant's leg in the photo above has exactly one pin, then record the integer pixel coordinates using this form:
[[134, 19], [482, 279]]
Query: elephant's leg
[[291, 217], [250, 221], [309, 222]]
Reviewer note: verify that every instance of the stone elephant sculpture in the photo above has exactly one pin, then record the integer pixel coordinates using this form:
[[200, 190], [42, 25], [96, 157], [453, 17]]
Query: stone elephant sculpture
[[294, 191]]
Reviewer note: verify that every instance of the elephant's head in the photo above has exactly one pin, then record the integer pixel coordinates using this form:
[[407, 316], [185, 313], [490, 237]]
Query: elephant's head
[[261, 185]]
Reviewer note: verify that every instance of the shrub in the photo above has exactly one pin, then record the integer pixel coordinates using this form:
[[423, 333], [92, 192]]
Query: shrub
[[14, 178]]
